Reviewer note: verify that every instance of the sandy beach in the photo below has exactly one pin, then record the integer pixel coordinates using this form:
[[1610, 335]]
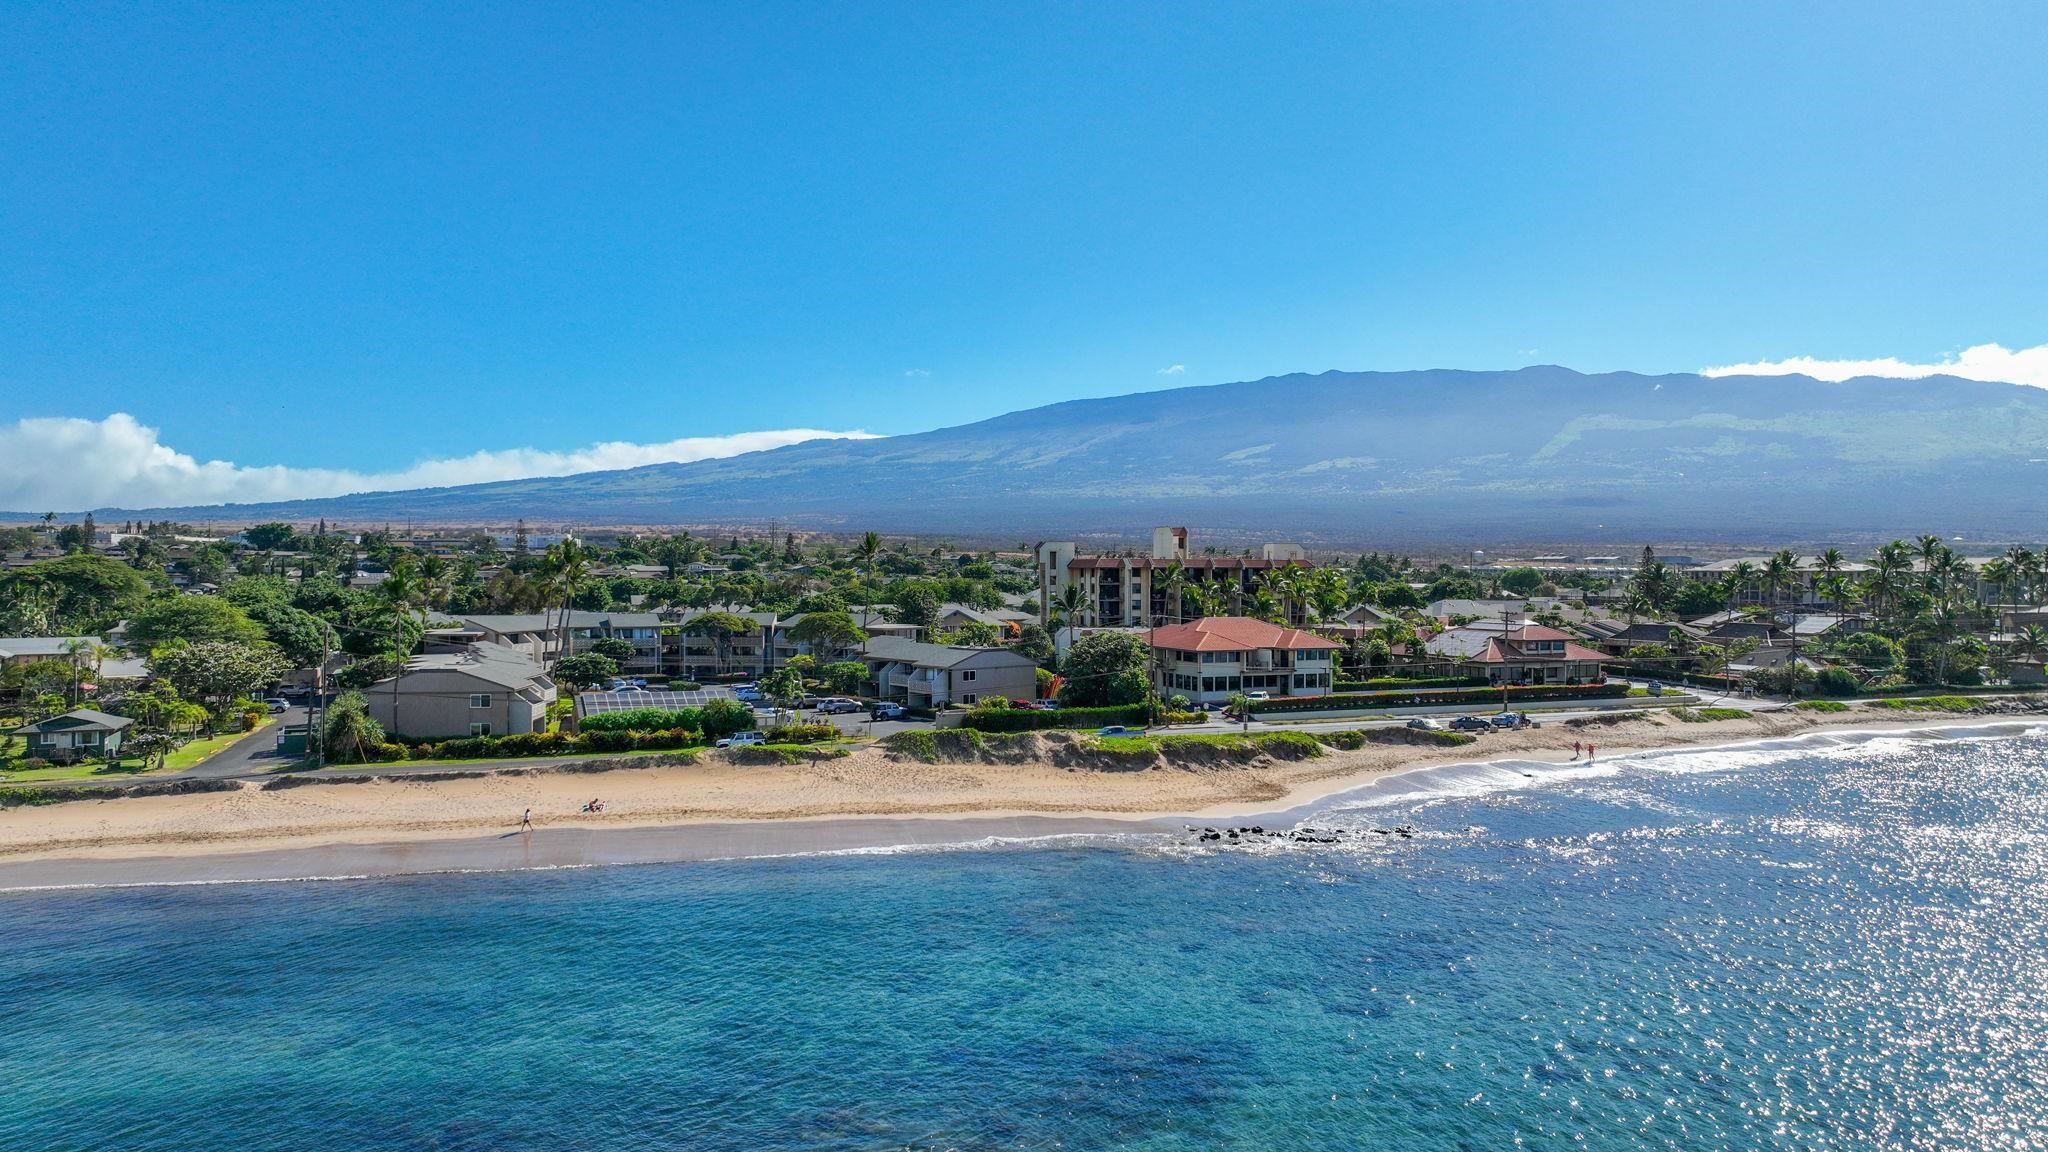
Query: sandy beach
[[716, 807]]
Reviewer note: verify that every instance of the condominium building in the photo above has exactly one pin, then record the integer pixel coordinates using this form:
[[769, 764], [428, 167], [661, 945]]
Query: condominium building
[[1169, 585], [1210, 660]]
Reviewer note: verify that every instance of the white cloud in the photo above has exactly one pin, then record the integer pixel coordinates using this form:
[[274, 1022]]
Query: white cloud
[[1172, 370], [66, 464], [1979, 362], [914, 372]]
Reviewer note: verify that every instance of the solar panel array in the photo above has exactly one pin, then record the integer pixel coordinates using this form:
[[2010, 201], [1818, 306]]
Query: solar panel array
[[591, 703]]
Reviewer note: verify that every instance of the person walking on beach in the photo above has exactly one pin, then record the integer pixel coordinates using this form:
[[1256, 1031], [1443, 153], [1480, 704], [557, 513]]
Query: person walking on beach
[[1577, 747], [1589, 753], [526, 820]]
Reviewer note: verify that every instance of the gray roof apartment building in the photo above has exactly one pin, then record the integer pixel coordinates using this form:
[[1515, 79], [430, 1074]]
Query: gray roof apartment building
[[480, 689], [928, 675]]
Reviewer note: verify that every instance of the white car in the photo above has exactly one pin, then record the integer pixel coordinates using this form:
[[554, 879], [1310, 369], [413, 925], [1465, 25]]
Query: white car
[[742, 739]]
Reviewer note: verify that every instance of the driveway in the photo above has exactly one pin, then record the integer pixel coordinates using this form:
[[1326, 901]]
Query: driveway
[[253, 754]]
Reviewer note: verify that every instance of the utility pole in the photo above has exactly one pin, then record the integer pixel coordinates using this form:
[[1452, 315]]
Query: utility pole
[[1504, 649], [314, 706]]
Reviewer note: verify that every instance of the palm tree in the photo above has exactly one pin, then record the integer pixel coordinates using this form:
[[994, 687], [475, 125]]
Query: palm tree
[[1741, 576], [1840, 592], [435, 580], [1929, 548], [1635, 604], [2030, 641], [99, 652], [1890, 570], [1240, 705], [1069, 605], [1998, 573], [869, 550], [1829, 564], [1948, 575], [1781, 574], [1200, 601], [402, 593], [1267, 607], [73, 649], [1172, 582], [565, 569], [2026, 570], [1277, 588]]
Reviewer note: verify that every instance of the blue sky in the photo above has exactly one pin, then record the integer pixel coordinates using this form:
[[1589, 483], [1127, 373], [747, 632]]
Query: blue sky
[[360, 239]]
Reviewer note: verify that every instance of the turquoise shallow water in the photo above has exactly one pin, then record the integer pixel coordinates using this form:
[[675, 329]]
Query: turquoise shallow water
[[1835, 946]]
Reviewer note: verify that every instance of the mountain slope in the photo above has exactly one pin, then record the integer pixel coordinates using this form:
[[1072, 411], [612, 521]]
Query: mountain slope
[[1540, 453]]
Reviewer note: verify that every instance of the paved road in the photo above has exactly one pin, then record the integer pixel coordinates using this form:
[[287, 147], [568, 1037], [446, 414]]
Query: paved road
[[257, 755], [251, 756]]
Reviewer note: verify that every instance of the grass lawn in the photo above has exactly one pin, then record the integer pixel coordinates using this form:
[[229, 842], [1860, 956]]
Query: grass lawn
[[86, 772], [1927, 703]]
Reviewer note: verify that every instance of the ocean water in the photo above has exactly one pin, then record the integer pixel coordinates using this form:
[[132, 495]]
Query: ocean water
[[1832, 944]]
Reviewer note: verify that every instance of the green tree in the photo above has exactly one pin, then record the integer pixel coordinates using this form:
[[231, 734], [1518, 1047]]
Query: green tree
[[193, 619], [585, 669], [367, 670], [1871, 650], [975, 634], [1781, 579], [721, 628], [305, 639], [1035, 642], [784, 686], [723, 717], [1105, 668], [830, 631], [918, 604], [614, 649], [1068, 608], [1521, 581], [350, 733], [1697, 598], [271, 537], [217, 672], [565, 570], [844, 677], [69, 595], [1398, 594]]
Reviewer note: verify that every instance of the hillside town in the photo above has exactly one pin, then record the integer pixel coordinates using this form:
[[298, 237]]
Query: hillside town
[[152, 647]]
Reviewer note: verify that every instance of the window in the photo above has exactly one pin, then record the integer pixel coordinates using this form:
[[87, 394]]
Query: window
[[479, 729], [969, 698], [967, 677], [480, 700]]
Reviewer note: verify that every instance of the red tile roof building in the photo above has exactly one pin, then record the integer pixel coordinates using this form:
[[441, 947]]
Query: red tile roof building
[[1532, 654], [1212, 659]]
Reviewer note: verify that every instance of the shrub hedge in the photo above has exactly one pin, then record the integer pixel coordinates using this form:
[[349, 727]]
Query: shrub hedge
[[538, 744], [1613, 689], [1355, 738], [1031, 720], [643, 720], [1384, 683]]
